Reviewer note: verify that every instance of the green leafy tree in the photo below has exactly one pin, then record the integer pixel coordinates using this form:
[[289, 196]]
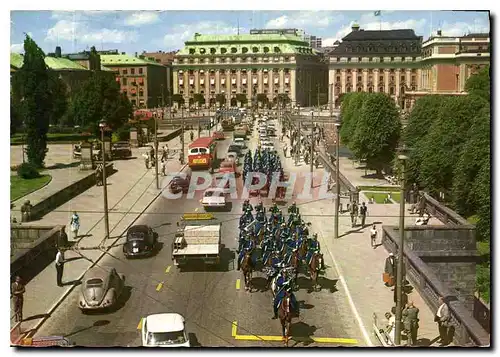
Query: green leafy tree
[[443, 144], [350, 112], [377, 131], [32, 95], [474, 156], [16, 121], [262, 98], [100, 99], [479, 83], [220, 98], [242, 98], [199, 98], [283, 99], [422, 116], [59, 94], [178, 98]]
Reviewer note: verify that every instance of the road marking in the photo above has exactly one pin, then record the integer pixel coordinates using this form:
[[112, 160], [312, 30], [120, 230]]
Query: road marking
[[139, 326], [351, 302], [238, 283], [234, 333], [196, 209], [159, 286], [168, 269]]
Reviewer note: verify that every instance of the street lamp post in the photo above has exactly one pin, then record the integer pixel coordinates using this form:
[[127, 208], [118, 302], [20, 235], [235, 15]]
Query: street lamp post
[[182, 135], [312, 147], [337, 180], [399, 282], [156, 153], [102, 126], [331, 100]]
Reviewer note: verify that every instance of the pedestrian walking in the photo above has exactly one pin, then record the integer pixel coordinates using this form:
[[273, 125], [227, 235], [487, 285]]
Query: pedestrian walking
[[60, 266], [285, 148], [389, 270], [373, 236], [191, 136], [410, 322], [162, 167], [17, 291], [75, 224], [354, 214], [98, 175], [62, 238], [362, 214], [390, 327], [443, 319]]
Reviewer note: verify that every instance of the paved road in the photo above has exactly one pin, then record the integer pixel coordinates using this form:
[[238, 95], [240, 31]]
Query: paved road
[[208, 299]]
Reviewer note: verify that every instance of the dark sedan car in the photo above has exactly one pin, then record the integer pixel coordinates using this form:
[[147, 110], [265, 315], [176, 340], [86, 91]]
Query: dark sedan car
[[121, 149], [179, 183], [141, 241]]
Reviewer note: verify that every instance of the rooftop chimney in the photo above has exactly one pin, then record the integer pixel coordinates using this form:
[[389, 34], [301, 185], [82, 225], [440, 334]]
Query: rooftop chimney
[[58, 51], [355, 27], [439, 32]]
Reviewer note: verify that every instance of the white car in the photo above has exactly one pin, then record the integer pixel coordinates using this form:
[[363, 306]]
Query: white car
[[268, 145], [164, 330], [239, 140], [213, 197]]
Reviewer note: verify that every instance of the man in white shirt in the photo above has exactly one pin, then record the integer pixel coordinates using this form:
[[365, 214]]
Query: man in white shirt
[[59, 266], [373, 236], [443, 318]]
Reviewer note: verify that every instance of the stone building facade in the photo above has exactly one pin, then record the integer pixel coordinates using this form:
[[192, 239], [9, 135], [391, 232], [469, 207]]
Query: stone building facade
[[144, 80], [447, 63], [375, 61], [248, 65]]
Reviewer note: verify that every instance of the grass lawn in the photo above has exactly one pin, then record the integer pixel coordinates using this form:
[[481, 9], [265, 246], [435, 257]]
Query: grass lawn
[[20, 187], [396, 196], [379, 188], [377, 196]]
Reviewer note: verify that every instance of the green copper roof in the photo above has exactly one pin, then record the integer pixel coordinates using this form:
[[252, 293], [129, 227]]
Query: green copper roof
[[106, 69], [16, 60], [246, 45], [125, 60]]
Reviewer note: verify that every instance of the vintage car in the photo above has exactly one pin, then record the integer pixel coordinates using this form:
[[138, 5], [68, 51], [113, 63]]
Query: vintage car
[[179, 183], [234, 157], [228, 166], [235, 148], [141, 240], [100, 288], [218, 135], [214, 198], [121, 149], [164, 330]]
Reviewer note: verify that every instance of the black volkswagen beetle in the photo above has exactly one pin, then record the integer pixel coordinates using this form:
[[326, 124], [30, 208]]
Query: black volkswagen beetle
[[141, 241]]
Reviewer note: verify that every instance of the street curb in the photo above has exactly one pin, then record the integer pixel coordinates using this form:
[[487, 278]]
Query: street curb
[[34, 330]]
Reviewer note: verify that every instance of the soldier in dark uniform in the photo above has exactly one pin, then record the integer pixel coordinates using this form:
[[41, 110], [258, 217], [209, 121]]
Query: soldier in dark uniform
[[410, 322], [17, 292]]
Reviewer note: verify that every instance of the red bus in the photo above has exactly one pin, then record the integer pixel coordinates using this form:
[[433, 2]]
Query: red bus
[[202, 152]]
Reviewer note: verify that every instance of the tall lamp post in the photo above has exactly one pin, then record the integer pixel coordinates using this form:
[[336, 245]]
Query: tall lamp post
[[337, 180], [312, 147], [156, 152], [102, 126], [399, 283]]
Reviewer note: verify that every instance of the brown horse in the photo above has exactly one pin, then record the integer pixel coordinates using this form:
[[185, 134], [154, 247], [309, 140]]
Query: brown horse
[[247, 269], [285, 315], [314, 267], [295, 263]]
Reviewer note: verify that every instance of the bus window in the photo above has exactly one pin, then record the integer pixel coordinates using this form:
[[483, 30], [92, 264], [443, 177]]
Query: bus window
[[203, 151], [193, 151]]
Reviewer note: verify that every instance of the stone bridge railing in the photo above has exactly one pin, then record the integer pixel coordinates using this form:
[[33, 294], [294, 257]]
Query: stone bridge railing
[[443, 213], [468, 331]]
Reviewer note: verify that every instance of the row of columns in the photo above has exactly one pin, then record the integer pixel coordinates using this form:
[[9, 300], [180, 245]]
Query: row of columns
[[223, 83]]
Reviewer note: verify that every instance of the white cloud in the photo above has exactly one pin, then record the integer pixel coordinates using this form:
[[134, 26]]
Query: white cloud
[[17, 47], [71, 30], [305, 19], [142, 18], [184, 32], [462, 28]]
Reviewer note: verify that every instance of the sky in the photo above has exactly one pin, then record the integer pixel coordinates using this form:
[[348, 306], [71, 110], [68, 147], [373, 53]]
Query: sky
[[137, 31]]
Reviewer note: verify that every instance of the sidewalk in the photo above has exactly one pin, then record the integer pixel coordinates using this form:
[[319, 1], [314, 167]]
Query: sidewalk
[[359, 266], [130, 191]]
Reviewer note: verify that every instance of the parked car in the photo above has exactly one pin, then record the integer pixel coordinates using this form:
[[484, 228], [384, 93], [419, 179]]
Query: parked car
[[241, 144], [121, 149], [218, 135], [164, 330], [100, 288], [234, 148], [268, 145], [214, 198], [233, 156], [141, 240], [228, 166]]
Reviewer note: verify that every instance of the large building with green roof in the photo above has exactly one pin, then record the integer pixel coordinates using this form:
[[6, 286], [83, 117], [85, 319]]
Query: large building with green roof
[[269, 62], [145, 81]]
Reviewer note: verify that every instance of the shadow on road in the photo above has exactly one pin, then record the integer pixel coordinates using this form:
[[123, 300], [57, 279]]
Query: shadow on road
[[259, 283], [62, 166], [302, 332], [324, 283], [98, 323], [193, 340]]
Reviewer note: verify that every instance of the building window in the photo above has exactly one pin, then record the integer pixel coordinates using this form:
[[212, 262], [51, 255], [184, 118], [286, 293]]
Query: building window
[[223, 50], [359, 79], [338, 78], [402, 78], [414, 59], [125, 71], [391, 90], [192, 51], [381, 89], [191, 60], [360, 59], [234, 50], [402, 59], [233, 59], [381, 78], [392, 78], [287, 70], [370, 90], [348, 59], [255, 49], [254, 70], [287, 59], [338, 59], [370, 59], [277, 50], [140, 70], [360, 89], [213, 51], [212, 60], [348, 78], [348, 89], [381, 59], [392, 59], [244, 50], [124, 81], [141, 93], [348, 71]]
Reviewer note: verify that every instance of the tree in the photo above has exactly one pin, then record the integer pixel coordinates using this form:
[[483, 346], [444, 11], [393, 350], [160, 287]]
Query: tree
[[474, 156], [242, 98], [377, 130], [178, 98], [442, 146], [479, 83], [262, 98], [220, 98], [422, 116], [283, 99], [16, 121], [32, 95], [59, 94], [100, 99], [350, 111], [199, 98]]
